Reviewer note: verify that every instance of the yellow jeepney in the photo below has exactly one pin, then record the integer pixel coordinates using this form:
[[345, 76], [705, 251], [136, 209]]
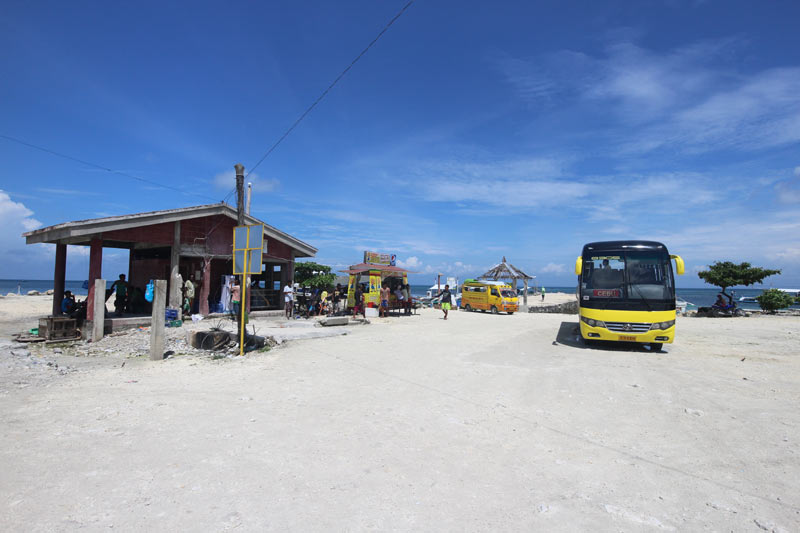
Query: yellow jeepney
[[494, 296]]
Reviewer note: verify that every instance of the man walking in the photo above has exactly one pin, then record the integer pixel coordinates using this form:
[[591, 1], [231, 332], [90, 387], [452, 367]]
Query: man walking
[[543, 291], [446, 300], [122, 294], [288, 299]]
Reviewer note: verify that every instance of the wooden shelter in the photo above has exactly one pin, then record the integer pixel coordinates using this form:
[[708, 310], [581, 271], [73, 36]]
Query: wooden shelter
[[505, 270], [192, 241]]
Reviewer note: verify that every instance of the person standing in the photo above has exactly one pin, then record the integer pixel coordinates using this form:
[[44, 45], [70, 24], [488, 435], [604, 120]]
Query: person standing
[[385, 292], [543, 291], [358, 302], [236, 297], [446, 300], [288, 299], [122, 294], [406, 299]]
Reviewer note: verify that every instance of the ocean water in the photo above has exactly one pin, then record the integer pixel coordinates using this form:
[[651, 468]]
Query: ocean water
[[42, 285], [704, 297]]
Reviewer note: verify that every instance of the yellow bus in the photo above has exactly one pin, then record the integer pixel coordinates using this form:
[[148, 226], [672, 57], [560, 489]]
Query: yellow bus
[[626, 292], [494, 296]]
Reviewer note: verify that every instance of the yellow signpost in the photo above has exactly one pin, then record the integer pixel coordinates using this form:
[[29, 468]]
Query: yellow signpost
[[248, 243]]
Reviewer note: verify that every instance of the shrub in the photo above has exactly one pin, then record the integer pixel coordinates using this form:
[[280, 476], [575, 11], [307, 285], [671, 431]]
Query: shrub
[[772, 299]]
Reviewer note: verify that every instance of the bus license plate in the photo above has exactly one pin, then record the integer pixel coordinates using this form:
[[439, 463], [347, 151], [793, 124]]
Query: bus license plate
[[629, 338]]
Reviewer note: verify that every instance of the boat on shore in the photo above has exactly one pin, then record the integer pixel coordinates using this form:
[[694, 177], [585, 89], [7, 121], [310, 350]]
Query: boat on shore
[[681, 305]]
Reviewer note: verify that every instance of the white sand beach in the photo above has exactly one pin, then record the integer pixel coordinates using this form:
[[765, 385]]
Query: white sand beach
[[481, 422]]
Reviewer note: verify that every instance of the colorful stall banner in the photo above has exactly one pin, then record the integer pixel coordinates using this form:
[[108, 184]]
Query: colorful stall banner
[[375, 258]]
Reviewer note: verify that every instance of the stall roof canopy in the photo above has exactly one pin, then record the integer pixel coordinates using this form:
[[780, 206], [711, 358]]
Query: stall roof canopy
[[82, 231], [365, 267], [505, 270]]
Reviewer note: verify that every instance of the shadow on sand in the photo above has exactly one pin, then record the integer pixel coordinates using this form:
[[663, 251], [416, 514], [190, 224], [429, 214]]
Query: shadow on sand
[[569, 335]]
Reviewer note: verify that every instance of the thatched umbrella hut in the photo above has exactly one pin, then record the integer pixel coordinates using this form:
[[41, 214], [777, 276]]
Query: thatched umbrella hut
[[508, 271]]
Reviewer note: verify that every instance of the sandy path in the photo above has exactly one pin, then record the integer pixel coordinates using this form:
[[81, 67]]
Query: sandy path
[[480, 422]]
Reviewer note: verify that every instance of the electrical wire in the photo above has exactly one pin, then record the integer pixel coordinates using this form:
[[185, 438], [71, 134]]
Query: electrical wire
[[101, 167], [326, 91]]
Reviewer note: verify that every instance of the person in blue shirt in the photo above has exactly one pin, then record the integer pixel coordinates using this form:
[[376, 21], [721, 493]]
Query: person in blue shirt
[[68, 303]]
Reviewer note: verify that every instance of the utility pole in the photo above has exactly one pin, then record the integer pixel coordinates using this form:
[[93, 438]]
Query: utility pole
[[240, 221], [239, 193]]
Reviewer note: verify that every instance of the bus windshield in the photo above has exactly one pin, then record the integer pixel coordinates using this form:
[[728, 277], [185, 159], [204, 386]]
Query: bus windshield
[[627, 276]]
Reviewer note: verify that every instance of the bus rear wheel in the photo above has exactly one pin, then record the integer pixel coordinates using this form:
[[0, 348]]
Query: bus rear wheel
[[511, 312], [468, 308], [656, 346], [494, 310]]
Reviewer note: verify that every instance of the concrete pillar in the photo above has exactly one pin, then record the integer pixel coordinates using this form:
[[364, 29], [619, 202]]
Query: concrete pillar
[[59, 276], [95, 271], [157, 321], [174, 275], [525, 295], [205, 287], [98, 310]]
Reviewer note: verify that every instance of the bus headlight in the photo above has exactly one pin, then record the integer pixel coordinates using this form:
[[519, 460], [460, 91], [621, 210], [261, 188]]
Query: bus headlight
[[593, 323], [662, 325]]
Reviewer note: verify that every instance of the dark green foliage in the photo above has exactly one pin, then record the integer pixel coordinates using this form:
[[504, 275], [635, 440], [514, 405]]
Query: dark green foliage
[[771, 300], [304, 275], [725, 274]]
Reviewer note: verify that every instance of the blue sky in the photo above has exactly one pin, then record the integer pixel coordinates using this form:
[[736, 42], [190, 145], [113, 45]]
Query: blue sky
[[469, 132]]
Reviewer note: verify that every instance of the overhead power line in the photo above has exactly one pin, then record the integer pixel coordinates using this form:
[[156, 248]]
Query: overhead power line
[[101, 167], [326, 91]]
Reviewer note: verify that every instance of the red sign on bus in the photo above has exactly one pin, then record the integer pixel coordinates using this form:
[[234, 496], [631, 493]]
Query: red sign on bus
[[606, 293]]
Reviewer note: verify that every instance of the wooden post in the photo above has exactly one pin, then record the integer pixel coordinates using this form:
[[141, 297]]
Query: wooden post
[[174, 275], [59, 278], [157, 321], [99, 309], [205, 287]]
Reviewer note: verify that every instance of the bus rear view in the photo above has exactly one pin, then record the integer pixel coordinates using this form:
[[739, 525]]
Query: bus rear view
[[626, 292]]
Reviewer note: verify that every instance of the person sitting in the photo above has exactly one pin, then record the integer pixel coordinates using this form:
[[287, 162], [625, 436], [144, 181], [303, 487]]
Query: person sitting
[[68, 303], [720, 301]]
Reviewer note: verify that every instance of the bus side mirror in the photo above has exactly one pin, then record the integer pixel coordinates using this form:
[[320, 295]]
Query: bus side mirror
[[578, 266], [679, 267]]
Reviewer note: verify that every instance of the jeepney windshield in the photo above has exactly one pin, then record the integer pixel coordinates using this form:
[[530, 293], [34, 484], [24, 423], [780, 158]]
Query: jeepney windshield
[[508, 293]]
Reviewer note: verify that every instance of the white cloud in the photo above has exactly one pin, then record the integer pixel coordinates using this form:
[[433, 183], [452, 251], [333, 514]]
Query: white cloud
[[227, 180], [797, 171], [18, 258], [689, 98], [410, 263], [15, 219], [553, 268]]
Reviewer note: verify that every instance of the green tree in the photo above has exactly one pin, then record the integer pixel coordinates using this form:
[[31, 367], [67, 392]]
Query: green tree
[[310, 274], [771, 300], [725, 274]]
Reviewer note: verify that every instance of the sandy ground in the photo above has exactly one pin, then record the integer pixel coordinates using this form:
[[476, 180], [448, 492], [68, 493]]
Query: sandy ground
[[480, 422]]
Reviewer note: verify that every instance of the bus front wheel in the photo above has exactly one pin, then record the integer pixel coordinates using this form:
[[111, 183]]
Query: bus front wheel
[[656, 346], [494, 310]]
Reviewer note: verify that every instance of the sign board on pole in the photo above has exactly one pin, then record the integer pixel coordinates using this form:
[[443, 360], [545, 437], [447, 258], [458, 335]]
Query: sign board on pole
[[375, 258], [248, 244]]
